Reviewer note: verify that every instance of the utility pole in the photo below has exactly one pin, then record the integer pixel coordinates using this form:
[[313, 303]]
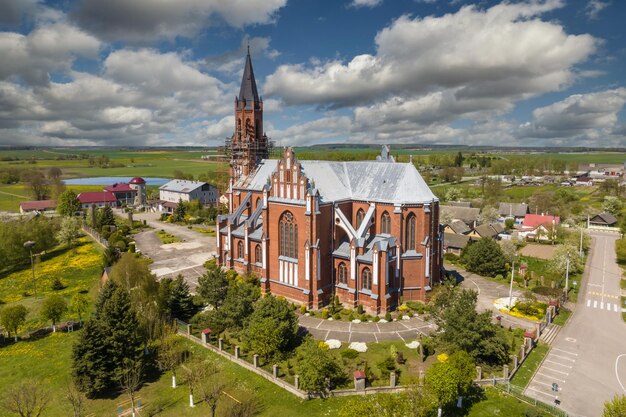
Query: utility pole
[[511, 286], [567, 278], [29, 245], [581, 242]]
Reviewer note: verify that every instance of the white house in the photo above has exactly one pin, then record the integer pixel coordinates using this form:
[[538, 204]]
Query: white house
[[181, 190]]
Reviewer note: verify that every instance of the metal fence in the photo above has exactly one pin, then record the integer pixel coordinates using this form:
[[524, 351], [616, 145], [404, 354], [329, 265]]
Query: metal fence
[[518, 393]]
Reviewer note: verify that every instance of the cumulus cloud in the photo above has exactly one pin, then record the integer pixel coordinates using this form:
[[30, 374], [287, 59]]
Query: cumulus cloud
[[591, 116], [48, 48], [148, 20], [469, 61]]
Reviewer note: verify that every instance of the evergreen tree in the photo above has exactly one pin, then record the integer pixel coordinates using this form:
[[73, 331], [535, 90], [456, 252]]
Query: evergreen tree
[[180, 211], [106, 217], [180, 302], [485, 258], [110, 338], [110, 255], [213, 286]]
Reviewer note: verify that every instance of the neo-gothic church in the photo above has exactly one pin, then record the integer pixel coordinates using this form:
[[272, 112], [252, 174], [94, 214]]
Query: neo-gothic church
[[365, 231]]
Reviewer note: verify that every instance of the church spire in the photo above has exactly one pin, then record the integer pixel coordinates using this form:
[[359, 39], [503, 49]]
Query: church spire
[[248, 91]]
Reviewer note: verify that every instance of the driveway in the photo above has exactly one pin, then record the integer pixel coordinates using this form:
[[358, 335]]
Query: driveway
[[406, 330], [588, 358], [185, 258], [488, 292]]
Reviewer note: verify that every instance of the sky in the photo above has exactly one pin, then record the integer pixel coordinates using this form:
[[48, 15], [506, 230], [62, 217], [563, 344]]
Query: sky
[[166, 72]]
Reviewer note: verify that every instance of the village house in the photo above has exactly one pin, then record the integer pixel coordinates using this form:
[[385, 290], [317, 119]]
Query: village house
[[454, 243], [515, 211], [39, 206], [98, 199], [182, 190], [467, 215], [364, 231], [602, 220]]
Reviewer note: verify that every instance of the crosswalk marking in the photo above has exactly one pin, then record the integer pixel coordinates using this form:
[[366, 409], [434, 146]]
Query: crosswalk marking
[[540, 392], [565, 351], [614, 307]]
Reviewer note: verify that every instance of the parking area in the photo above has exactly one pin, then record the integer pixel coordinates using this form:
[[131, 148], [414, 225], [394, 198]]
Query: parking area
[[551, 379], [406, 330]]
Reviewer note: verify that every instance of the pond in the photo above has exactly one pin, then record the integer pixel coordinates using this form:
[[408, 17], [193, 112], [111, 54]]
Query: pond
[[113, 180]]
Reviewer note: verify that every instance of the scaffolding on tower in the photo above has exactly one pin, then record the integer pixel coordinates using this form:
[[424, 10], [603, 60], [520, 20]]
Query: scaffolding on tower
[[242, 153]]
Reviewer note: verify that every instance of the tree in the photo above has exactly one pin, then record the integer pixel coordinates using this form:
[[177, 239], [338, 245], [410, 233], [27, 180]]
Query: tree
[[238, 304], [79, 303], [463, 329], [316, 366], [130, 379], [109, 339], [180, 211], [613, 205], [213, 286], [28, 399], [488, 215], [68, 203], [105, 217], [509, 224], [458, 160], [484, 258], [70, 231], [453, 194], [180, 301], [615, 407], [12, 318], [170, 352], [203, 378], [558, 263], [54, 307], [272, 328], [37, 183], [76, 400], [451, 378], [110, 255]]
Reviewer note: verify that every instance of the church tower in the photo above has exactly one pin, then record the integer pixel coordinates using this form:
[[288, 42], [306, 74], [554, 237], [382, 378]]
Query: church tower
[[249, 144]]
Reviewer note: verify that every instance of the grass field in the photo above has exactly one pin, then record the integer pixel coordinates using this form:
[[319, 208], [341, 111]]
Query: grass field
[[78, 269], [527, 370]]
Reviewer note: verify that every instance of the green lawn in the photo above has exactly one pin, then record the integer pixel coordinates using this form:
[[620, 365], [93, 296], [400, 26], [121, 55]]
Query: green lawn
[[496, 403], [527, 370], [167, 238], [562, 317], [78, 269]]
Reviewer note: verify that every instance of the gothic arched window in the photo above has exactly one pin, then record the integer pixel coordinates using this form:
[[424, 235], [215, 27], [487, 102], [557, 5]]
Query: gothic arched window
[[385, 223], [288, 235], [366, 279], [240, 249], [342, 273], [409, 242], [360, 215], [257, 254]]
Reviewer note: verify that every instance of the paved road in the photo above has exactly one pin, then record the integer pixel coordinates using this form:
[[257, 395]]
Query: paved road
[[406, 330], [186, 257], [588, 357], [488, 292]]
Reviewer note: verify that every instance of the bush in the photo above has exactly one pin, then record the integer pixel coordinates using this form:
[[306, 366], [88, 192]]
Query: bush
[[499, 277], [364, 318], [131, 248], [349, 354], [351, 316], [324, 314], [388, 316], [336, 316], [410, 314], [302, 309], [400, 358], [376, 319], [388, 364], [359, 309], [451, 257], [428, 346], [57, 285]]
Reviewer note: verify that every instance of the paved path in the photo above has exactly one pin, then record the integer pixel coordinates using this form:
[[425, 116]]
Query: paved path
[[488, 292], [186, 257], [406, 330], [588, 357]]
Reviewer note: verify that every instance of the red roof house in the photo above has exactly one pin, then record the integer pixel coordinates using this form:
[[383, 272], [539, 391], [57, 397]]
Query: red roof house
[[535, 220], [99, 198], [120, 187], [41, 205]]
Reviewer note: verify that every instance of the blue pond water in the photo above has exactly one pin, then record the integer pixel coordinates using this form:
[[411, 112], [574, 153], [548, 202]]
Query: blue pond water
[[113, 180]]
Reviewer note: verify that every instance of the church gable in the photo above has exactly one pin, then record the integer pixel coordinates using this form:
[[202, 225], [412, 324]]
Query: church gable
[[288, 180]]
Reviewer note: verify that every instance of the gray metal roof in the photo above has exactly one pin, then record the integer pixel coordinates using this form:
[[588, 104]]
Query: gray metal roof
[[513, 209], [358, 180], [182, 186]]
